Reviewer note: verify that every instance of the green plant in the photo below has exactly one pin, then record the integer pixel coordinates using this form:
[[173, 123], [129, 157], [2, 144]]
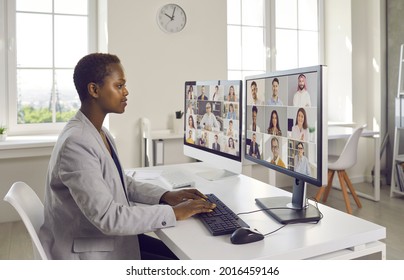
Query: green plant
[[3, 129], [312, 129]]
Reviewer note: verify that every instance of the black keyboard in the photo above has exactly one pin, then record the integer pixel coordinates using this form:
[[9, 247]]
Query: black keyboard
[[222, 220]]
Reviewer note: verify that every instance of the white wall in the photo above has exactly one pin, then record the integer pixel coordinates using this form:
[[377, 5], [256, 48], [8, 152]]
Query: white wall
[[157, 64], [355, 55]]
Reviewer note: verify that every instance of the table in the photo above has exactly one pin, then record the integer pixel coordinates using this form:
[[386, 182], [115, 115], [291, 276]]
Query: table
[[340, 132], [337, 236]]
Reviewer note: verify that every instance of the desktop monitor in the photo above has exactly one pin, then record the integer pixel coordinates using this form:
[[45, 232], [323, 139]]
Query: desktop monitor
[[286, 130], [213, 125]]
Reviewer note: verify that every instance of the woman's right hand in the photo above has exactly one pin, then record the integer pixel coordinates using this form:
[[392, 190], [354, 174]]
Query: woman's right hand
[[191, 207]]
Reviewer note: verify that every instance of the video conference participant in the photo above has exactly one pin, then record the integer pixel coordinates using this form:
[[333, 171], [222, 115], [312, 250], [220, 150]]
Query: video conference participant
[[275, 100], [274, 128], [87, 207], [276, 159], [253, 125], [302, 164], [209, 121], [254, 150], [302, 96], [300, 129], [254, 94], [216, 145]]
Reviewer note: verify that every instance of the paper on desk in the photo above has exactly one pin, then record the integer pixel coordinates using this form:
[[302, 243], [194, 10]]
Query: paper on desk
[[147, 174]]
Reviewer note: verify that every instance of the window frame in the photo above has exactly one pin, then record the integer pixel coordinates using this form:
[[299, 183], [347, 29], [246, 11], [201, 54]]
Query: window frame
[[8, 92], [270, 35]]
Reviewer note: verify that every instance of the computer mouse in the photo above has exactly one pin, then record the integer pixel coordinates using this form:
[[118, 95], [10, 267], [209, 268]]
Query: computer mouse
[[245, 235]]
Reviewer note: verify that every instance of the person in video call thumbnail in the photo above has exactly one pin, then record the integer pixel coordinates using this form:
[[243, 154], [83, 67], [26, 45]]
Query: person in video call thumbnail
[[302, 96], [231, 114], [202, 96], [232, 95], [300, 129], [254, 94], [253, 125], [209, 121], [216, 145], [254, 150], [302, 164], [190, 93], [231, 148], [274, 128], [276, 159], [275, 100], [88, 209], [190, 138]]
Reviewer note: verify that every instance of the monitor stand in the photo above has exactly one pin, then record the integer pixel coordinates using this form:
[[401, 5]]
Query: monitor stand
[[287, 210], [217, 174]]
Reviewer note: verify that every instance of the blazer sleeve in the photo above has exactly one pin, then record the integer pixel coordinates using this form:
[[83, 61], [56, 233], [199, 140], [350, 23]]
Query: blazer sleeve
[[89, 173]]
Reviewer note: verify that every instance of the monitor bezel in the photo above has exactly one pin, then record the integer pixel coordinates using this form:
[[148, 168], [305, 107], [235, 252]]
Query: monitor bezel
[[209, 151], [321, 125]]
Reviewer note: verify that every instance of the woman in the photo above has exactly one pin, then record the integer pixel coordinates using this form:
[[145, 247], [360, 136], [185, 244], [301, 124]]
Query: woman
[[190, 93], [232, 95], [299, 130], [274, 128], [231, 114], [231, 149], [88, 214], [302, 164]]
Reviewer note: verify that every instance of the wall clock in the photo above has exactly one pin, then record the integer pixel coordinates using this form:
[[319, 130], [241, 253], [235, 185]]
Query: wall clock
[[171, 18]]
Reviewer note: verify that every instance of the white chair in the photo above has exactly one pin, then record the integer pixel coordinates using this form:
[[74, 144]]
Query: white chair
[[31, 211], [345, 160]]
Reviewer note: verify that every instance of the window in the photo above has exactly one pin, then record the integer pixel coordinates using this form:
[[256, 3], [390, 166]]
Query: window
[[46, 38], [269, 35]]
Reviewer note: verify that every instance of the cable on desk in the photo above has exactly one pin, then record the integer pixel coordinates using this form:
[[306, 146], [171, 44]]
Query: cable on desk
[[286, 208]]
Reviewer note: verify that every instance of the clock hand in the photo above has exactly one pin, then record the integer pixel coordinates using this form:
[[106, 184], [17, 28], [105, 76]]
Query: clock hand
[[171, 18]]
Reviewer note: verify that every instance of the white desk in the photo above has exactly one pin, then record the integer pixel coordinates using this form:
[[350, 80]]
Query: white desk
[[337, 236], [339, 132]]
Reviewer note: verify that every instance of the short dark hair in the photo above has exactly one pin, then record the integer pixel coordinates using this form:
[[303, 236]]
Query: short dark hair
[[92, 68], [275, 80]]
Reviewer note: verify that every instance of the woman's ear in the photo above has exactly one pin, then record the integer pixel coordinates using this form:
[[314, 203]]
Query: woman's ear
[[93, 89]]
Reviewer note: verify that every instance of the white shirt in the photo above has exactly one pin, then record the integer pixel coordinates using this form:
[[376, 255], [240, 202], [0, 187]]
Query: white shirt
[[300, 134], [209, 122], [302, 99]]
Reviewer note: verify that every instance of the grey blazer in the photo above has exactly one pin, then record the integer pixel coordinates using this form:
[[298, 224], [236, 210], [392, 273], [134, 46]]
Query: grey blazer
[[87, 214]]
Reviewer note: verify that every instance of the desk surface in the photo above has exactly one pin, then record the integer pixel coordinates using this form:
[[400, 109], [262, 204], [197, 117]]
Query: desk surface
[[336, 231]]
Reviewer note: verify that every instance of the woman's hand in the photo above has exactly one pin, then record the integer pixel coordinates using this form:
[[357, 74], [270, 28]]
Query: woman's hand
[[175, 197], [187, 203]]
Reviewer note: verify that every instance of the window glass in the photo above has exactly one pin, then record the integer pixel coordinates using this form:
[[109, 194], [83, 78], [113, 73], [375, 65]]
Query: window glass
[[286, 49], [44, 6], [286, 14], [308, 48], [76, 7], [234, 12], [253, 50], [306, 9], [67, 52], [34, 49], [234, 47], [252, 12], [34, 99]]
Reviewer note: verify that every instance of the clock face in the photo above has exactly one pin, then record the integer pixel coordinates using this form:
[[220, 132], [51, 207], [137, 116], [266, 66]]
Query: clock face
[[171, 18]]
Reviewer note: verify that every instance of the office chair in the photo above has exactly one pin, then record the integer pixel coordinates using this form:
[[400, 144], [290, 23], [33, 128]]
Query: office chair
[[345, 160], [31, 211]]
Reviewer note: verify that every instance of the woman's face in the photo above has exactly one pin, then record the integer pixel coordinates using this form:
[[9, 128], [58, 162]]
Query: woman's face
[[190, 121], [300, 119], [300, 149], [112, 95], [274, 120]]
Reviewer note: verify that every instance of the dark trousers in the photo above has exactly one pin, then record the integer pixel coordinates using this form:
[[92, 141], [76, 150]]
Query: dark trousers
[[154, 249]]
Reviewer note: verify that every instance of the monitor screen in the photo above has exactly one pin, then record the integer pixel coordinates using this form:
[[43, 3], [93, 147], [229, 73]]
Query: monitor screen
[[286, 125], [213, 125]]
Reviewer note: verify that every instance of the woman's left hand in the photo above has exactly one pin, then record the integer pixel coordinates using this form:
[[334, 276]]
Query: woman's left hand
[[175, 197]]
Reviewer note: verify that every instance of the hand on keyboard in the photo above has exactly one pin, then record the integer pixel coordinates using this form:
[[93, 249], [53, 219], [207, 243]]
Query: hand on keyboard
[[187, 203]]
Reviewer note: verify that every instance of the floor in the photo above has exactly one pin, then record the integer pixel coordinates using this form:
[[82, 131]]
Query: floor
[[15, 243]]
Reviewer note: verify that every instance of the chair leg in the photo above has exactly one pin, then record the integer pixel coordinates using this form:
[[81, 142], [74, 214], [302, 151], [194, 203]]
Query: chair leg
[[352, 189], [344, 191], [321, 190], [329, 184]]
